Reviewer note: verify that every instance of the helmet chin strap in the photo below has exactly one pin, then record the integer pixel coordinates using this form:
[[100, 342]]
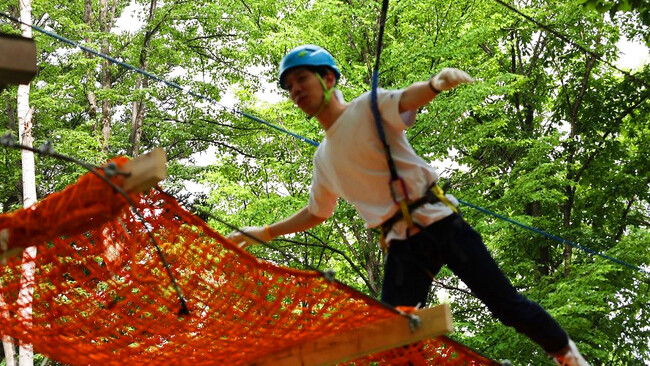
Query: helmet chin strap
[[327, 96]]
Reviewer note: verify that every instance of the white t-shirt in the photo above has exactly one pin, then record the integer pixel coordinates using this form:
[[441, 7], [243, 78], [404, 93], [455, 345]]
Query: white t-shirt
[[350, 163]]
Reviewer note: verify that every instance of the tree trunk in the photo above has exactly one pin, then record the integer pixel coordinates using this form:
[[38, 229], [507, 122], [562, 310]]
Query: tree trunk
[[137, 118], [7, 342], [572, 152], [106, 18], [11, 115], [25, 299], [137, 108], [27, 157], [534, 209], [25, 114], [88, 10], [90, 94]]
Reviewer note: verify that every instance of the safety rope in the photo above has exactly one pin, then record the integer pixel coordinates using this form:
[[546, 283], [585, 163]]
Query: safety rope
[[556, 238], [395, 180], [314, 143]]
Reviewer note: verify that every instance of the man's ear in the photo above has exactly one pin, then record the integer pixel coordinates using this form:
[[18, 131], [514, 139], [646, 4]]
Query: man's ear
[[330, 79]]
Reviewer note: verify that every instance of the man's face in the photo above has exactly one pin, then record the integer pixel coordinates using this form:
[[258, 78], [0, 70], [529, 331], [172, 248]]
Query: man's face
[[304, 89]]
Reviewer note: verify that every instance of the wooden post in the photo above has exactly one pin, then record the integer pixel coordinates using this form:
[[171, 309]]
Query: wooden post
[[146, 171], [17, 66], [17, 60], [383, 335]]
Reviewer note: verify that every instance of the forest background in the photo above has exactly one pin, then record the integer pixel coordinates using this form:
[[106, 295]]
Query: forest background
[[549, 135]]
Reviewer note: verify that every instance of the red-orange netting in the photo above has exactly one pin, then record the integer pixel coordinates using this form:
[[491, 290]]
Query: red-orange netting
[[102, 295]]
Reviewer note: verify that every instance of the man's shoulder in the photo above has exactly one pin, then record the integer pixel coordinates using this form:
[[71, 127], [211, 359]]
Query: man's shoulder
[[365, 96], [362, 101], [320, 148]]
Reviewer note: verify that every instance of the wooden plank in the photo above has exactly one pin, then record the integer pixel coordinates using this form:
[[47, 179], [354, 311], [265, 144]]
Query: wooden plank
[[17, 59], [376, 337], [146, 171]]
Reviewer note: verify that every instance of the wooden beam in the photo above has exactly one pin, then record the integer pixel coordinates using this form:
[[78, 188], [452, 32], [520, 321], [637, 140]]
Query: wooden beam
[[146, 171], [376, 337], [17, 59]]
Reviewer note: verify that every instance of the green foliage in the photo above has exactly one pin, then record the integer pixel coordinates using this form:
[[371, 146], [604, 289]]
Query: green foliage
[[640, 8], [547, 135]]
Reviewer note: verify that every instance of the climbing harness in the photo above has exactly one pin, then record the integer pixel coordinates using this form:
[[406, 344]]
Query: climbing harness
[[433, 194]]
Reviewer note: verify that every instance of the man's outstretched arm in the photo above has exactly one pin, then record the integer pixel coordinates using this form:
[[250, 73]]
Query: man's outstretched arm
[[420, 93], [300, 221]]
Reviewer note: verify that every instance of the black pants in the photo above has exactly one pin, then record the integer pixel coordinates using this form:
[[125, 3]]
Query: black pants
[[412, 263]]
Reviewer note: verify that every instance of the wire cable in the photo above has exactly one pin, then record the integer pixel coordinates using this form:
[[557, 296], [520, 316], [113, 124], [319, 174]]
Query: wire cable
[[554, 237]]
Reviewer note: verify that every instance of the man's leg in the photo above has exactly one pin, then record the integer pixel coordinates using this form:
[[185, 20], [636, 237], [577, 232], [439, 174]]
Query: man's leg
[[468, 258], [407, 282], [408, 272]]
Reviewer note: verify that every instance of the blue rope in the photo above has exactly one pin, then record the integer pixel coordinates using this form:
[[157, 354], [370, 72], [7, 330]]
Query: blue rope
[[374, 105], [551, 236], [314, 143]]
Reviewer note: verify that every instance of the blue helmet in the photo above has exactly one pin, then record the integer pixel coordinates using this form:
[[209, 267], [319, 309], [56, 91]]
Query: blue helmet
[[307, 55]]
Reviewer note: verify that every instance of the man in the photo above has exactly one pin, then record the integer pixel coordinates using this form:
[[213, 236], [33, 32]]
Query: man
[[351, 164]]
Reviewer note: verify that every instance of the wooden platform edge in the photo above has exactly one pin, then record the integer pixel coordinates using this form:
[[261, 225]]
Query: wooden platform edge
[[380, 336], [146, 171], [17, 59]]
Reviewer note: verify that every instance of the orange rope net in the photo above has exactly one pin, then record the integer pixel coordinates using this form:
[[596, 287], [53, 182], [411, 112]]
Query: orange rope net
[[102, 295]]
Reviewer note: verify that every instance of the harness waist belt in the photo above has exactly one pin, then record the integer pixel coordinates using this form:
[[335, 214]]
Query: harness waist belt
[[429, 197]]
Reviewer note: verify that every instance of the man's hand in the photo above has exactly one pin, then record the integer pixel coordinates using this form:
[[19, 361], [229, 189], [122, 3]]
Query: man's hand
[[259, 232], [449, 78]]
